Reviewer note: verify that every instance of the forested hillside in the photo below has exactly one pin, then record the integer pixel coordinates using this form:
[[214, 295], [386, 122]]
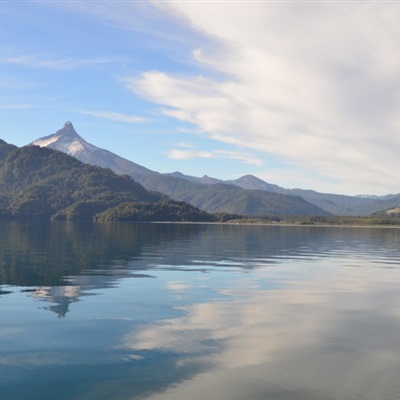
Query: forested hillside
[[47, 184], [229, 198]]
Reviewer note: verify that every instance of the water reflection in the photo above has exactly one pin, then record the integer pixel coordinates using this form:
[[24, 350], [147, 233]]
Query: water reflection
[[333, 338], [65, 261], [192, 311]]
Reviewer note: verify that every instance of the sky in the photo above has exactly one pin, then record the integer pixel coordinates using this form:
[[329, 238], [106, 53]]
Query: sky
[[302, 94]]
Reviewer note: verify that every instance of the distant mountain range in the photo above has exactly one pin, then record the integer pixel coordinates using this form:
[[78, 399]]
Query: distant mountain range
[[247, 195]]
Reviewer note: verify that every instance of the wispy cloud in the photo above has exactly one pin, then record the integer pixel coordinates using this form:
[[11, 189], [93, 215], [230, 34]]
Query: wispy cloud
[[60, 64], [317, 84], [9, 83], [143, 17], [15, 106], [187, 152], [114, 116]]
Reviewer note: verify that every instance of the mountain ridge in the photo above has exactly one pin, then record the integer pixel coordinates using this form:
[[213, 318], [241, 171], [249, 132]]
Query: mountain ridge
[[195, 190], [203, 193]]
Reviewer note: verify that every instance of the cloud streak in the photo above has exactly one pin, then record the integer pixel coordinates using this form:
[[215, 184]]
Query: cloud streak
[[114, 116], [189, 154], [61, 64], [317, 84], [143, 17], [15, 106]]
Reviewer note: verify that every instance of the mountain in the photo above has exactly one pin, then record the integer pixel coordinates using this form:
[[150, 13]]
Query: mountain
[[386, 203], [47, 184], [393, 213], [6, 149], [250, 182], [252, 202], [337, 204], [205, 193], [68, 141], [205, 180], [211, 194], [332, 203], [231, 199]]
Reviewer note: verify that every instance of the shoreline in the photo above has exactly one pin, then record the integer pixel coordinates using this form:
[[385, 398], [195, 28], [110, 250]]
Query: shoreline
[[261, 223]]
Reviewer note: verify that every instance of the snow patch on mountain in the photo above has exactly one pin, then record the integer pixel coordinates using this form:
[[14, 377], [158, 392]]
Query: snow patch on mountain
[[46, 142], [75, 148]]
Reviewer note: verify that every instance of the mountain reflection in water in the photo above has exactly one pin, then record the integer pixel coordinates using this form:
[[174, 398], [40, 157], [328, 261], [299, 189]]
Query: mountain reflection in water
[[225, 312]]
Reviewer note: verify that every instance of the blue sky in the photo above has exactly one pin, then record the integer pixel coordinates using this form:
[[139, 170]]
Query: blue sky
[[300, 94]]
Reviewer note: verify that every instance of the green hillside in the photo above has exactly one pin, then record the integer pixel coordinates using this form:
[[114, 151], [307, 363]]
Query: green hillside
[[47, 184], [229, 198]]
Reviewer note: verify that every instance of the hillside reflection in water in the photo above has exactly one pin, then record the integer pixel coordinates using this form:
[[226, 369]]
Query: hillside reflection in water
[[160, 311]]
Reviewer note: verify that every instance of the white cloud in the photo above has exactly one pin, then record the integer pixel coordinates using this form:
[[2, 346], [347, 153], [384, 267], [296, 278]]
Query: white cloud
[[113, 116], [186, 145], [317, 84], [188, 153]]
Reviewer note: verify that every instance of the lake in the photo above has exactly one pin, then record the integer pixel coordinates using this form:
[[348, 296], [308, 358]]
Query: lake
[[121, 311]]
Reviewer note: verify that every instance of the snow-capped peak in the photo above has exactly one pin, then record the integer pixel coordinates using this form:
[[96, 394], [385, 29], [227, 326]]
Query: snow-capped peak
[[65, 139], [68, 141]]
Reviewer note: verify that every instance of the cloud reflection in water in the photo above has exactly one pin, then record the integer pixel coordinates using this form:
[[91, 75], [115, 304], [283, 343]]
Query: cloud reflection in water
[[335, 337]]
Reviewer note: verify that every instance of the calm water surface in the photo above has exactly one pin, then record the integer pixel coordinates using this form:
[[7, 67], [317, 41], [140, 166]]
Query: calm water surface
[[159, 312]]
